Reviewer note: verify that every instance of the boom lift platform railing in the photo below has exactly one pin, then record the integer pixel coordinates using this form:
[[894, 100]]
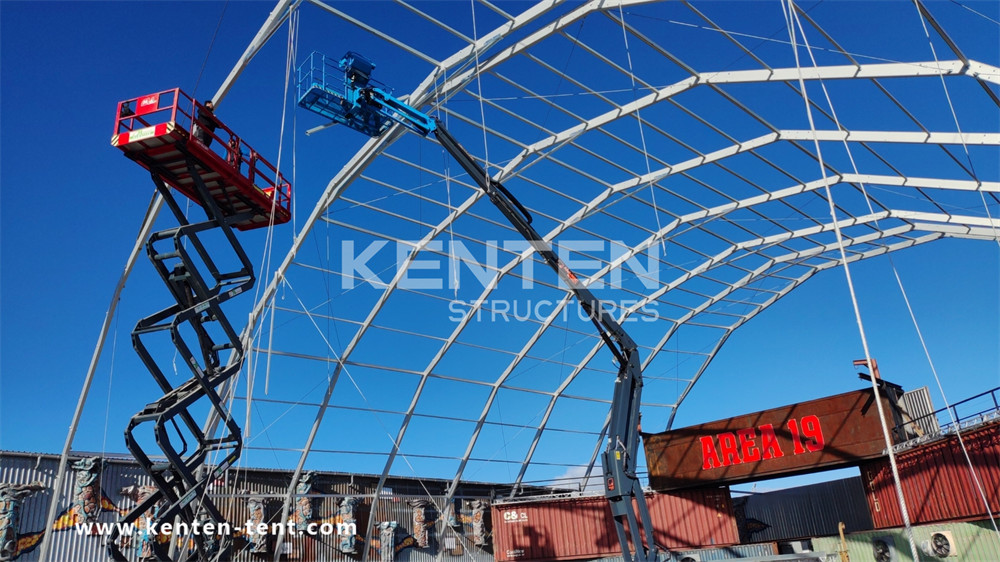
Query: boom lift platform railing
[[344, 92], [237, 189]]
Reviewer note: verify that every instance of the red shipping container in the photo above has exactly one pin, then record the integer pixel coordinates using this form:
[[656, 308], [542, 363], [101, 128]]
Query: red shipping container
[[573, 528], [936, 481]]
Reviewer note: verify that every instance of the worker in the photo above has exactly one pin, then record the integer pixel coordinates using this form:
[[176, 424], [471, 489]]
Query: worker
[[206, 123], [235, 154]]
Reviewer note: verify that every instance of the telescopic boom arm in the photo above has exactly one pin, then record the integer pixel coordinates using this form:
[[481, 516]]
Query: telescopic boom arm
[[621, 485], [372, 110]]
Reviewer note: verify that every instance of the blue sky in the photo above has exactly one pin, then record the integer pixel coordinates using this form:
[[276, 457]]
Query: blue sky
[[71, 205]]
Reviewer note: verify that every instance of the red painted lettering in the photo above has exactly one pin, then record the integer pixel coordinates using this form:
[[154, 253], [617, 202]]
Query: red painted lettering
[[748, 447], [728, 449], [731, 448], [812, 430], [793, 427], [769, 443], [710, 457]]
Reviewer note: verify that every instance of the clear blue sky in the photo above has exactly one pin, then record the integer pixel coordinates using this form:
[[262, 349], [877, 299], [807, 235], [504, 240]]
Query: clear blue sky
[[71, 205]]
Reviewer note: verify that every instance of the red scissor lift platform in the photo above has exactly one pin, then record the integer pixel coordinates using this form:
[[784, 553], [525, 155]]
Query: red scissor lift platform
[[158, 132]]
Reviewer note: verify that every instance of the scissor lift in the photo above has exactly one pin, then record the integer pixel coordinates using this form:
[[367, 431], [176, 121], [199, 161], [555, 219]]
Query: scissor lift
[[237, 189]]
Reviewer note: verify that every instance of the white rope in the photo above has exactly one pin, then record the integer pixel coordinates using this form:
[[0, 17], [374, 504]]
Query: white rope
[[107, 407], [958, 433], [371, 409], [292, 53], [252, 359], [299, 402], [958, 126], [791, 18], [452, 258], [973, 473], [486, 147], [507, 441], [266, 254], [294, 208], [184, 244], [346, 371], [111, 376], [642, 133], [451, 225], [980, 14], [479, 86]]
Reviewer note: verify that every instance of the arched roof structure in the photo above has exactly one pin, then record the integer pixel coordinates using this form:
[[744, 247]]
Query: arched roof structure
[[664, 147]]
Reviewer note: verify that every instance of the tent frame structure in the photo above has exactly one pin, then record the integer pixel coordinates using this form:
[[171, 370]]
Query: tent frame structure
[[768, 261]]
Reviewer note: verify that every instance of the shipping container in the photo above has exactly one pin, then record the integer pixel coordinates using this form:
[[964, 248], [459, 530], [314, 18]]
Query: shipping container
[[582, 527], [944, 542], [936, 480], [803, 512]]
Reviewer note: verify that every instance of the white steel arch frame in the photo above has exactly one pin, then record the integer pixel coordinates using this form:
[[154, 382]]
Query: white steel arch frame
[[732, 256]]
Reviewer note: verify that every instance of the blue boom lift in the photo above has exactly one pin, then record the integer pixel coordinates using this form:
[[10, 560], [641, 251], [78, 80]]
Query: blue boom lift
[[345, 92]]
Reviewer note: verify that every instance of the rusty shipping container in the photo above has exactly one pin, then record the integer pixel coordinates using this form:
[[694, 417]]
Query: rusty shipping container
[[936, 481], [805, 437], [582, 527]]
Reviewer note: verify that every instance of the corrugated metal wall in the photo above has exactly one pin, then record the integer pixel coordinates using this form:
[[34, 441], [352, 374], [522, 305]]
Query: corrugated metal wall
[[936, 481], [734, 552], [973, 542], [68, 545], [918, 405], [803, 512], [232, 493], [693, 518], [578, 528]]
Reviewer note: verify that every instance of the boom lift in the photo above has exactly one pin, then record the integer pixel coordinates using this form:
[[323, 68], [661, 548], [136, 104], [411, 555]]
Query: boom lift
[[237, 189], [362, 104]]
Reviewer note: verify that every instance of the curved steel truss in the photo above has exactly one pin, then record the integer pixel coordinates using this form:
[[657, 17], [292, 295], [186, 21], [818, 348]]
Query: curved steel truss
[[665, 148]]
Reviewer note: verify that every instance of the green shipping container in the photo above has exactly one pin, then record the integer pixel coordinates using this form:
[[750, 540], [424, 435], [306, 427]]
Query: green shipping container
[[959, 542]]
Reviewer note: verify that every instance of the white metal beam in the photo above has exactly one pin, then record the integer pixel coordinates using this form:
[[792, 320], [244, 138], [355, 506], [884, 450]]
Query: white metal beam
[[908, 243], [887, 70]]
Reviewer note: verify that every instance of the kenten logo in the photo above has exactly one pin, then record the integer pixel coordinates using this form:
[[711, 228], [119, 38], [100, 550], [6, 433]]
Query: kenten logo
[[430, 266]]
